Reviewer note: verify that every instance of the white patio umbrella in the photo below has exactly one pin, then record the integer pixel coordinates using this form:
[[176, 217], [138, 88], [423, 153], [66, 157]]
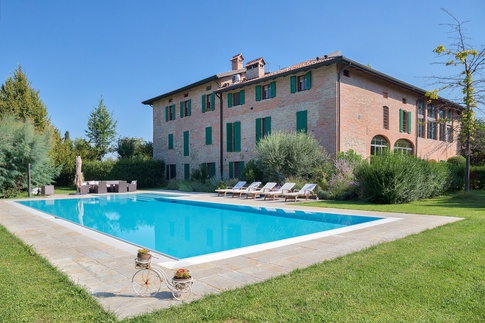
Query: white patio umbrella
[[79, 175]]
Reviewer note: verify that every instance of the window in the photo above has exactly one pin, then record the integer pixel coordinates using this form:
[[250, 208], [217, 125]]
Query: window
[[421, 122], [442, 135], [301, 121], [301, 83], [449, 114], [236, 98], [420, 108], [233, 136], [264, 92], [431, 129], [170, 112], [449, 133], [235, 169], [171, 171], [403, 146], [431, 122], [208, 135], [186, 143], [346, 73], [404, 100], [184, 108], [263, 127], [378, 145], [211, 169], [405, 121], [208, 102], [186, 172], [170, 141], [385, 95], [385, 113], [421, 127]]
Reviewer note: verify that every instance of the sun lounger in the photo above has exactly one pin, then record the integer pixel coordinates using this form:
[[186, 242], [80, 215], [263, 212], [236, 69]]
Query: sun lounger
[[266, 188], [229, 190], [275, 193], [252, 187], [306, 191]]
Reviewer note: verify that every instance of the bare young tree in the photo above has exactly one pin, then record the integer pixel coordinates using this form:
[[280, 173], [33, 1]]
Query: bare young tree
[[468, 66]]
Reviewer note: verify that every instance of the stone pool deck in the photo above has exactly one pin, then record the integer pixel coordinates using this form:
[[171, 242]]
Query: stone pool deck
[[104, 266]]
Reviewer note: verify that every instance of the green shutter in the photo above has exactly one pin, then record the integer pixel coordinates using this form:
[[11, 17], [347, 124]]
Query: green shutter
[[241, 167], [410, 122], [293, 84], [181, 109], [166, 113], [186, 143], [231, 169], [173, 111], [229, 100], [241, 97], [170, 141], [213, 101], [203, 103], [187, 172], [308, 78], [272, 88], [301, 121], [189, 107], [258, 129], [208, 135], [229, 137], [267, 125], [258, 93], [237, 136], [401, 120]]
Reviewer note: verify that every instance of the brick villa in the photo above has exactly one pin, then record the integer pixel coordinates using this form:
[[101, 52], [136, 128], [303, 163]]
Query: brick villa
[[217, 121]]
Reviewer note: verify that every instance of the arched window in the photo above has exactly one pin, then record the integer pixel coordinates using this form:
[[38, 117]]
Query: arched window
[[378, 145], [403, 146]]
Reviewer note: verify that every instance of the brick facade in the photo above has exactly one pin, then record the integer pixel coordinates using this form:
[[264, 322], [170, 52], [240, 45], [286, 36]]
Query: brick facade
[[346, 106]]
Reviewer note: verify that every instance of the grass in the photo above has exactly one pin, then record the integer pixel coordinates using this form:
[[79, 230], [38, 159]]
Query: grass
[[434, 276]]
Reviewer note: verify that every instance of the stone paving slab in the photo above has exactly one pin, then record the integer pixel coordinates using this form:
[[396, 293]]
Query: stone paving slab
[[104, 266]]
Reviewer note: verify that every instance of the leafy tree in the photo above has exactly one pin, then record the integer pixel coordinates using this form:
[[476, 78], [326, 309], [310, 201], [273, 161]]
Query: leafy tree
[[84, 149], [468, 64], [101, 130], [281, 155], [18, 98], [63, 155], [477, 144], [21, 145], [128, 147]]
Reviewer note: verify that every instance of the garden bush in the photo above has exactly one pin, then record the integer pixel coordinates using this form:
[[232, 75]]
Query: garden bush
[[147, 173], [394, 178], [477, 177], [341, 184], [457, 167], [283, 154]]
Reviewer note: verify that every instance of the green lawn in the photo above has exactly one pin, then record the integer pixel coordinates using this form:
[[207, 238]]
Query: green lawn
[[434, 276]]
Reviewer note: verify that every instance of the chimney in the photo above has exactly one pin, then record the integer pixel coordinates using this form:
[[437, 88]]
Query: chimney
[[237, 62], [255, 68]]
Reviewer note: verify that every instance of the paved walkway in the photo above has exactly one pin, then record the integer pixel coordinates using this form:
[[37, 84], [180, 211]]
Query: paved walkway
[[104, 266]]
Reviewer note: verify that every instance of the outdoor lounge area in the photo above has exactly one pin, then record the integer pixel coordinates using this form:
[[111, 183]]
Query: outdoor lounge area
[[103, 187]]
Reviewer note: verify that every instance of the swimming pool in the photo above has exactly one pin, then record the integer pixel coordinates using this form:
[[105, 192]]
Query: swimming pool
[[181, 228]]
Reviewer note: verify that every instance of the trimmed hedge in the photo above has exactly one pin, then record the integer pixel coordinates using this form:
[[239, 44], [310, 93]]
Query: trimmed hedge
[[147, 173]]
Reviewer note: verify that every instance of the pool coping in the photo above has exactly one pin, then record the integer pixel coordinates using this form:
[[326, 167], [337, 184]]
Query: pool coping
[[104, 267]]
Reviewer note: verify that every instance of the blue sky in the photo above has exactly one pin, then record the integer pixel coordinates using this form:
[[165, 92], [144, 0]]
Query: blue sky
[[74, 52]]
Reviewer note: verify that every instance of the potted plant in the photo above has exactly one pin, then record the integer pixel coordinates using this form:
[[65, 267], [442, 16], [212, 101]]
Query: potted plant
[[143, 254], [182, 275]]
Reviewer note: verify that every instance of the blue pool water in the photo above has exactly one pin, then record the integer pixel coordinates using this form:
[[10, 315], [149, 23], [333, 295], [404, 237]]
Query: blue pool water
[[182, 228]]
